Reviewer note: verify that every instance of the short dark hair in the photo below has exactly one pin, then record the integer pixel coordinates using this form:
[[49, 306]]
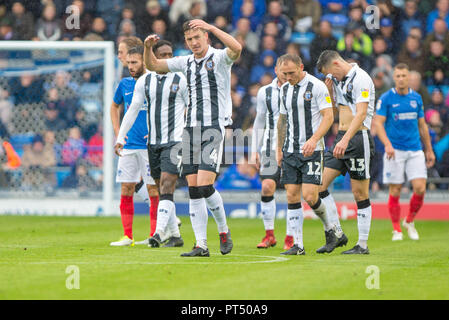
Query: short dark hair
[[136, 50], [162, 43], [326, 57], [186, 26], [289, 57], [402, 66]]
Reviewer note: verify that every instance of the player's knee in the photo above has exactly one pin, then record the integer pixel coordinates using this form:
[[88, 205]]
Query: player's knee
[[127, 189], [293, 197], [152, 191], [311, 198], [420, 190], [268, 188], [167, 186], [360, 194], [206, 191]]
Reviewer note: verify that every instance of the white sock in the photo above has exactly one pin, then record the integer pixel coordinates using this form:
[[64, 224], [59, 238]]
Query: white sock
[[165, 210], [173, 228], [215, 205], [289, 231], [332, 213], [295, 219], [198, 218], [268, 213], [320, 211], [363, 221], [143, 194]]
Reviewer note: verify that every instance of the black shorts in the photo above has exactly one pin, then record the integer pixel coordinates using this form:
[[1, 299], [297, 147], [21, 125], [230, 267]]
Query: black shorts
[[357, 158], [297, 169], [202, 149], [164, 158]]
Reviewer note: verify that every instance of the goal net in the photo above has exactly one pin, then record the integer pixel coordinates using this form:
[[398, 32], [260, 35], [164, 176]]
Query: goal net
[[55, 132]]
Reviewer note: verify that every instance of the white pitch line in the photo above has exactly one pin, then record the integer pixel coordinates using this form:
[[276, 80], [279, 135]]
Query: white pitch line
[[272, 259]]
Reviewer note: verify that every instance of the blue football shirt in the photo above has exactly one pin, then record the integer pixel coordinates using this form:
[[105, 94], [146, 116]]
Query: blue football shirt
[[402, 113], [124, 94]]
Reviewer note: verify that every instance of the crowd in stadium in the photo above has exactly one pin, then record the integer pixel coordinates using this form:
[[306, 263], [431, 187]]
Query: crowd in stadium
[[411, 31]]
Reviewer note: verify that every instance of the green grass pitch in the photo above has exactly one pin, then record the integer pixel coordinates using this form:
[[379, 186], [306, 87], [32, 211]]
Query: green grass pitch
[[35, 252]]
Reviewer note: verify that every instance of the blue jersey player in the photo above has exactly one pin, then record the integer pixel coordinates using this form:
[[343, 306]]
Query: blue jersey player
[[400, 126], [133, 163]]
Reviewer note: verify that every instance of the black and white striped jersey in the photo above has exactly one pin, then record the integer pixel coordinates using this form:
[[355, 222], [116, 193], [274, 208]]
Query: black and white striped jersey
[[302, 104], [209, 87], [265, 123], [356, 87], [166, 97]]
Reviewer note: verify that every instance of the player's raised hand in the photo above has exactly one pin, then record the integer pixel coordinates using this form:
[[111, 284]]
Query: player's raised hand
[[118, 149], [340, 149], [430, 158], [389, 151], [329, 84], [197, 23], [151, 40], [309, 147]]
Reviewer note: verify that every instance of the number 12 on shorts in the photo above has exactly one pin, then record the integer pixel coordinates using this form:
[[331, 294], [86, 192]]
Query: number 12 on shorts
[[317, 171]]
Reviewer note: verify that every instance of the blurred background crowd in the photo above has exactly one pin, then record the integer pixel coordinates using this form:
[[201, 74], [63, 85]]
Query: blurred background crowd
[[410, 31]]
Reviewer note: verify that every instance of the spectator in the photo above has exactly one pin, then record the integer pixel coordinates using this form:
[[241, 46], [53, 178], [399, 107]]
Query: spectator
[[271, 29], [434, 121], [6, 107], [67, 107], [410, 17], [79, 14], [386, 31], [6, 30], [335, 6], [80, 179], [243, 65], [379, 46], [110, 12], [308, 15], [416, 32], [240, 176], [254, 10], [50, 140], [417, 85], [266, 65], [282, 22], [127, 28], [385, 63], [441, 11], [221, 23], [180, 7], [48, 26], [439, 33], [324, 40], [412, 55], [160, 28], [95, 148], [361, 42], [52, 119], [73, 148], [217, 8], [23, 22], [196, 11], [36, 160], [153, 11], [99, 29], [356, 14], [243, 29], [437, 65], [437, 104], [26, 89], [380, 83]]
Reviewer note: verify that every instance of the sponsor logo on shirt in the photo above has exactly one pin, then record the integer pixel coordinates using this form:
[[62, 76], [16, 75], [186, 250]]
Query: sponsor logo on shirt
[[365, 93], [405, 116]]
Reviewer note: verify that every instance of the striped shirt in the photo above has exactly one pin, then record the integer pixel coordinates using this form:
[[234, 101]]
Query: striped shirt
[[209, 87], [166, 95], [356, 87], [302, 104], [265, 124]]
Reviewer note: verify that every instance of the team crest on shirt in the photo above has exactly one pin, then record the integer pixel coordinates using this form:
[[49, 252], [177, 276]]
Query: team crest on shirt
[[413, 104], [174, 87], [209, 65], [308, 95], [349, 89]]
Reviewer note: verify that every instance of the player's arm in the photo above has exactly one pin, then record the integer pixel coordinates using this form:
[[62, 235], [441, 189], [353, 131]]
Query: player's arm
[[425, 136], [234, 48], [330, 87], [151, 62], [131, 114], [258, 129], [282, 132], [115, 117]]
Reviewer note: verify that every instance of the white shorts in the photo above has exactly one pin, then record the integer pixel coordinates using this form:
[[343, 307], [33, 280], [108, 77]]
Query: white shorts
[[412, 163], [132, 165]]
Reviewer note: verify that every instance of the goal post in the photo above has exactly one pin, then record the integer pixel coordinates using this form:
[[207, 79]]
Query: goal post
[[19, 58]]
